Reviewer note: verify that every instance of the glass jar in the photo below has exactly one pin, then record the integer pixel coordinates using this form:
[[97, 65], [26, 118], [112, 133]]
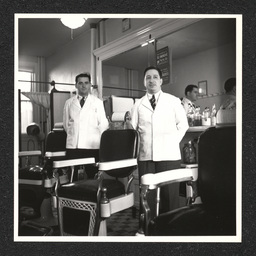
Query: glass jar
[[198, 120], [189, 153]]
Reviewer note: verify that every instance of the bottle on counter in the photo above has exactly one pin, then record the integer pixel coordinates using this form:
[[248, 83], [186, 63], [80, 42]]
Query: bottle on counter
[[213, 116], [206, 117], [191, 117], [127, 121], [189, 153], [198, 117]]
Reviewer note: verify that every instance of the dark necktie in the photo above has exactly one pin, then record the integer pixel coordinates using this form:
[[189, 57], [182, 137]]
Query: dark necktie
[[192, 105], [153, 101], [82, 102]]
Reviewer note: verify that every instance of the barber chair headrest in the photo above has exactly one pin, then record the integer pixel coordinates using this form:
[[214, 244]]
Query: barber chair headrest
[[34, 130], [58, 127]]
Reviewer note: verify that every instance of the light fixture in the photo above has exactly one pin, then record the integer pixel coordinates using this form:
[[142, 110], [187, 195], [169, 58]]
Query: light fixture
[[149, 41], [144, 44], [73, 22]]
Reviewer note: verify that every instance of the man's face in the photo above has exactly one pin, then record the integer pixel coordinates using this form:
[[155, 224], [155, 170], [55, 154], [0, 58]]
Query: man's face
[[193, 94], [152, 81], [83, 86]]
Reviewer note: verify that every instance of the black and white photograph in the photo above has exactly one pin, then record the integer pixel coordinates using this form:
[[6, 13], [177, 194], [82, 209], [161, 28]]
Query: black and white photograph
[[128, 128]]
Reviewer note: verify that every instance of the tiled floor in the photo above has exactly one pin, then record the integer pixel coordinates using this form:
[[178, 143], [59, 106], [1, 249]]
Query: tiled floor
[[123, 223]]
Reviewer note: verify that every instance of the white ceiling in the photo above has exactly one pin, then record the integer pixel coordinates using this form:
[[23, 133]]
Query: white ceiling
[[43, 36]]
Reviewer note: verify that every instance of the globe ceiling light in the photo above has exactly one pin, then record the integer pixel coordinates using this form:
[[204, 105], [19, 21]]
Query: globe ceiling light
[[73, 22]]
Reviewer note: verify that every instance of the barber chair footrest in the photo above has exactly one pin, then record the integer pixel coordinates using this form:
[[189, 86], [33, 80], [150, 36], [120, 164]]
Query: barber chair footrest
[[28, 228]]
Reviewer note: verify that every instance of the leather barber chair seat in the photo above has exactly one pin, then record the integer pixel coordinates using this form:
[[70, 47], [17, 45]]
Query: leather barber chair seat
[[216, 216], [85, 205], [36, 181]]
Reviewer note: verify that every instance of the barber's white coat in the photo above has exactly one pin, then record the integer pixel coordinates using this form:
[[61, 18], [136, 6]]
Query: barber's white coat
[[160, 130], [84, 126]]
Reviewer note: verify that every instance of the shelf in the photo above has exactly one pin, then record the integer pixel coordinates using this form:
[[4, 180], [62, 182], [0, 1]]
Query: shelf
[[198, 128]]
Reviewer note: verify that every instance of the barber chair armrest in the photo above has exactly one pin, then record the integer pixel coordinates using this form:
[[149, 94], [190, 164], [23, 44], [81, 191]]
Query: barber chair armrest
[[73, 162], [55, 154], [154, 180], [30, 153], [116, 204], [106, 166]]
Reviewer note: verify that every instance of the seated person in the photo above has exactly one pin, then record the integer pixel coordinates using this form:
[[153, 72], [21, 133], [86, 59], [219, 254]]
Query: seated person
[[227, 111], [190, 98]]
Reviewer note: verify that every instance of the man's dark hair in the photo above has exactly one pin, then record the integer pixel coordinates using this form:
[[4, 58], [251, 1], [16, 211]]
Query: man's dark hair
[[83, 75], [152, 67], [230, 84], [190, 88]]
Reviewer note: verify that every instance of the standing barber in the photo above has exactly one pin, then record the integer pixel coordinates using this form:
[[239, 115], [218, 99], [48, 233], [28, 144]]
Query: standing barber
[[161, 122], [84, 121]]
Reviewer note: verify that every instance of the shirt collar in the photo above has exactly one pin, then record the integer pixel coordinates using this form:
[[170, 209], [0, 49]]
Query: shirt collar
[[156, 95], [79, 97], [189, 102]]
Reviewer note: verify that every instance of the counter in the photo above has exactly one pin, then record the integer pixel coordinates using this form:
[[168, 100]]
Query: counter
[[193, 134], [198, 128]]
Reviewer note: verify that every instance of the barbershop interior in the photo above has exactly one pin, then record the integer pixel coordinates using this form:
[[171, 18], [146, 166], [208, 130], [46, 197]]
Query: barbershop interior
[[107, 193]]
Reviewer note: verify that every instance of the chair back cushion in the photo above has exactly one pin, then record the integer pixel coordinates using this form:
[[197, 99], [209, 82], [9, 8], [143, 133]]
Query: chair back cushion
[[56, 141], [217, 168], [119, 145], [217, 188]]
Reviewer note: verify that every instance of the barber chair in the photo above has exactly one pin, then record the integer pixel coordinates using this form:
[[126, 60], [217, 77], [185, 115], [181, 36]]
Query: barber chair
[[216, 216], [35, 183], [85, 205]]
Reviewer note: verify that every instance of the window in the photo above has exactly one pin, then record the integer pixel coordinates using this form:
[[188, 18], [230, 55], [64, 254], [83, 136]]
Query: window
[[26, 107]]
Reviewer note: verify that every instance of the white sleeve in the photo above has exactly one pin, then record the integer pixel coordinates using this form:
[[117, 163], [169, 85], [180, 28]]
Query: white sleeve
[[181, 120], [102, 120], [65, 115], [134, 116], [185, 106]]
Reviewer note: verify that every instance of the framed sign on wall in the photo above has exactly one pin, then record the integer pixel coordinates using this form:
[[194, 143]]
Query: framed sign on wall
[[126, 24], [163, 63], [202, 88]]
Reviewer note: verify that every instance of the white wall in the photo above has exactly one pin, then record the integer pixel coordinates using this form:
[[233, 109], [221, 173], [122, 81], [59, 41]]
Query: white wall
[[114, 77], [215, 65], [69, 61], [118, 77], [75, 58], [27, 63]]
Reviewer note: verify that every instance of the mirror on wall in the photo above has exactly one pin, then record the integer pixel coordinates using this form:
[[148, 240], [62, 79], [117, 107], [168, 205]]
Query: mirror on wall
[[123, 74], [203, 51]]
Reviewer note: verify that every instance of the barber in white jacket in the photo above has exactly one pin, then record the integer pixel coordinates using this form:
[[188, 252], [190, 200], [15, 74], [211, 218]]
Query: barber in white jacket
[[161, 128], [84, 121]]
